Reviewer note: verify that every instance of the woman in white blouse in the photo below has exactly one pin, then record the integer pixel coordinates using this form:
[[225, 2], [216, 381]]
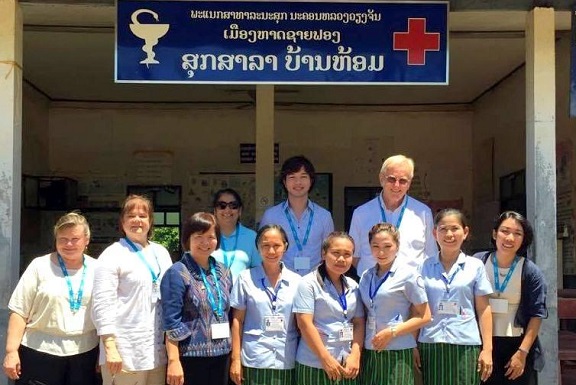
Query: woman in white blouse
[[51, 338], [127, 310]]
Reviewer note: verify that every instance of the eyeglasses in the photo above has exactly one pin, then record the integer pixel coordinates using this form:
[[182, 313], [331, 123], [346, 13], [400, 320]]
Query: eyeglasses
[[392, 180], [234, 205]]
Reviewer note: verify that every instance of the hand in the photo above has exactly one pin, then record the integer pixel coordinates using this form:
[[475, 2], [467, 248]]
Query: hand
[[332, 368], [515, 367], [12, 365], [382, 339], [485, 364], [113, 359], [417, 360], [236, 371], [174, 373], [352, 366]]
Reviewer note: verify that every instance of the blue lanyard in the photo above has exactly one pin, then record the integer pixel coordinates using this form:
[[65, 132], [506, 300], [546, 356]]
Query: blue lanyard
[[74, 302], [224, 251], [273, 296], [497, 287], [293, 228], [383, 213], [217, 309], [448, 281], [342, 299], [152, 273], [371, 292]]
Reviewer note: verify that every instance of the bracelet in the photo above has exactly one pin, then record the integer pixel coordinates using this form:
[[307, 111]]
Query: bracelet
[[393, 330], [109, 339], [520, 349]]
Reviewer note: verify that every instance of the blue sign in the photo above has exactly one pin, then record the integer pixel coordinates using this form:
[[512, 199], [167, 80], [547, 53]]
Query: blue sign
[[281, 42]]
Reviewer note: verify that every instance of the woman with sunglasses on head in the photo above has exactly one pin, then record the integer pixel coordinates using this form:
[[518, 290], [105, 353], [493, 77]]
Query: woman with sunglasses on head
[[456, 347], [264, 334], [51, 338], [390, 290], [127, 310], [518, 303], [330, 316], [237, 251], [196, 303]]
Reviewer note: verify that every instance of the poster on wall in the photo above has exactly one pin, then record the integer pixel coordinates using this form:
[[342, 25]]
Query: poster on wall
[[282, 42]]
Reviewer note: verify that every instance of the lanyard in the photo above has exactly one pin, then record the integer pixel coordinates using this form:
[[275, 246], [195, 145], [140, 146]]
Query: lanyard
[[448, 281], [218, 309], [372, 292], [139, 252], [342, 299], [74, 302], [224, 251], [293, 228], [272, 295], [497, 287], [383, 213]]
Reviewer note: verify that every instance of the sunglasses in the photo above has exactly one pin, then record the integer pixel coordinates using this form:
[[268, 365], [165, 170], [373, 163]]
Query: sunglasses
[[392, 180], [234, 205]]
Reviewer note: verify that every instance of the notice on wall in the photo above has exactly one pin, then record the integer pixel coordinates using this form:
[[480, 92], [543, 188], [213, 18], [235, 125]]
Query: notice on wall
[[152, 167]]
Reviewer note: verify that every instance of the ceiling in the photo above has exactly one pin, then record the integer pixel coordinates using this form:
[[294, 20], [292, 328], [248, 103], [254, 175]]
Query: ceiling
[[69, 56]]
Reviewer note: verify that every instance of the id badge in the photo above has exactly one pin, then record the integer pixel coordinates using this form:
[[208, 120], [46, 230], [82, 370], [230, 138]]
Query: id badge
[[499, 305], [220, 330], [155, 296], [346, 333], [449, 307], [274, 323], [74, 323], [371, 324], [302, 263]]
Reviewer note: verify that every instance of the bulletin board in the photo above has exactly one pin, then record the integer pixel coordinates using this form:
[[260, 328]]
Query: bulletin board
[[203, 186]]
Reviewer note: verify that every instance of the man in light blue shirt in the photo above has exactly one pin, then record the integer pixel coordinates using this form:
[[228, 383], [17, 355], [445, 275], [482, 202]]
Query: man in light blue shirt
[[306, 223]]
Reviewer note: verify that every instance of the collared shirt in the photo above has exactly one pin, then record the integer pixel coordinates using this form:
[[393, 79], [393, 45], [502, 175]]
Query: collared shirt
[[245, 255], [322, 225], [468, 281], [322, 301], [391, 303], [188, 313], [122, 303], [42, 299], [260, 348], [416, 239]]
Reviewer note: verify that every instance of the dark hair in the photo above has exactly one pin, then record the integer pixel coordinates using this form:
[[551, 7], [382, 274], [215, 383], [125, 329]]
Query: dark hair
[[133, 201], [321, 272], [199, 222], [295, 164], [526, 227], [451, 212], [385, 228], [268, 227], [223, 191]]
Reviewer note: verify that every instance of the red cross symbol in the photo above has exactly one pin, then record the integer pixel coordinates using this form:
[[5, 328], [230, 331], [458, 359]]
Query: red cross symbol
[[416, 41]]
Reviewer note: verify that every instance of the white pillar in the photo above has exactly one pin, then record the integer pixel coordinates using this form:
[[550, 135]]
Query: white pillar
[[541, 168], [264, 148]]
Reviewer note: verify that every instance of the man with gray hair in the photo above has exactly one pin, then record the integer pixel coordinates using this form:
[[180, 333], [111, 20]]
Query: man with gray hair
[[411, 217]]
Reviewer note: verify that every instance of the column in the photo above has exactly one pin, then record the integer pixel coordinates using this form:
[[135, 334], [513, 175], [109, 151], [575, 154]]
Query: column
[[264, 148], [541, 168]]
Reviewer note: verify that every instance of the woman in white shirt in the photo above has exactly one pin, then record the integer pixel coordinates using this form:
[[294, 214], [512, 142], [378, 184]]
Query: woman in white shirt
[[127, 311], [51, 338]]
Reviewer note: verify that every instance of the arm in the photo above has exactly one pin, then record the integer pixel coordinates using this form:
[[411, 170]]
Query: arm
[[173, 290], [312, 337], [16, 328], [515, 367], [485, 322], [235, 361], [430, 247], [420, 316], [174, 371], [352, 365]]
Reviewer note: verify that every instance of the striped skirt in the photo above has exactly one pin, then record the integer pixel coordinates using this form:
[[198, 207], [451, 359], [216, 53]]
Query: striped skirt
[[388, 367], [307, 375], [448, 364], [254, 376]]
